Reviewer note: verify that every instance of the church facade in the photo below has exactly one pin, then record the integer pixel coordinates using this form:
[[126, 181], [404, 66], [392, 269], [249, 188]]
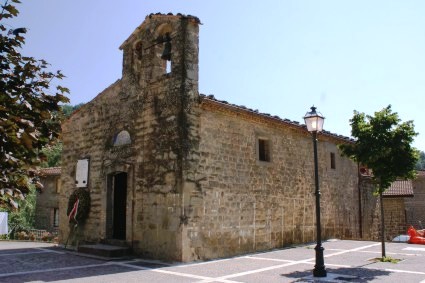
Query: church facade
[[181, 176]]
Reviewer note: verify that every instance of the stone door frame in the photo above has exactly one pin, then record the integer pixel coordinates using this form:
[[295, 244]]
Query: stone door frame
[[107, 225]]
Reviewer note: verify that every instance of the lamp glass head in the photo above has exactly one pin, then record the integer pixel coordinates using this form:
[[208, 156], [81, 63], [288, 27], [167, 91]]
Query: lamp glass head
[[314, 120]]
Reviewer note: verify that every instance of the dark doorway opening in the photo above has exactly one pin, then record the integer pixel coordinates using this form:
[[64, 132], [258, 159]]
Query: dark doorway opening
[[119, 206]]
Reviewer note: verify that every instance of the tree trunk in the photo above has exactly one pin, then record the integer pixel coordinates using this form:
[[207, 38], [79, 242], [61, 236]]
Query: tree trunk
[[381, 204]]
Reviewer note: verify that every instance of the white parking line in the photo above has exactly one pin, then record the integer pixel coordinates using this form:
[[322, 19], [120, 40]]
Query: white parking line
[[289, 261], [50, 251], [376, 252], [24, 253], [206, 262], [126, 264], [305, 261], [331, 264], [352, 250], [40, 251], [54, 269], [193, 276], [205, 279], [414, 249], [253, 271], [269, 259], [405, 271]]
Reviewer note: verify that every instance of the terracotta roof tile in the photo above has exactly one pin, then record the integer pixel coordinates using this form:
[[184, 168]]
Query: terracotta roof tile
[[400, 188], [273, 117]]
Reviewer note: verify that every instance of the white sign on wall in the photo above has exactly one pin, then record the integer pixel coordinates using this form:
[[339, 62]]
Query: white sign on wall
[[82, 173], [3, 223]]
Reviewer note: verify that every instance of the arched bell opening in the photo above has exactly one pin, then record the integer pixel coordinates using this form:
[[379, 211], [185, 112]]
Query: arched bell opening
[[163, 35]]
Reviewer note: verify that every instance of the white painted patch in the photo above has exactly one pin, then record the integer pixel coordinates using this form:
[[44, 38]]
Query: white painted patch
[[29, 272], [405, 271], [414, 249]]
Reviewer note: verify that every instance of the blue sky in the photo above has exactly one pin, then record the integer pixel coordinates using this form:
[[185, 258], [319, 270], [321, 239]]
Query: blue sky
[[279, 57]]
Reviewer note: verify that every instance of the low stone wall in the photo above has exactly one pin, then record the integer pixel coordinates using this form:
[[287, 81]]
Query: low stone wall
[[415, 207], [394, 217]]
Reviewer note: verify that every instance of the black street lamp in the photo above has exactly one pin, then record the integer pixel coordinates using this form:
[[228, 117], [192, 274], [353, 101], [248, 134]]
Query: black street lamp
[[314, 122]]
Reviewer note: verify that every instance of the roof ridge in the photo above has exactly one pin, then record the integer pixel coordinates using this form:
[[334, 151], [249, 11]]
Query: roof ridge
[[176, 15], [274, 117]]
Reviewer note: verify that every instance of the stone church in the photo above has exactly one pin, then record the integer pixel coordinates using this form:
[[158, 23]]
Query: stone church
[[181, 176]]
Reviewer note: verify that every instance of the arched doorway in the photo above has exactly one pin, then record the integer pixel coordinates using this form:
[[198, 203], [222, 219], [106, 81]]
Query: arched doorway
[[117, 206]]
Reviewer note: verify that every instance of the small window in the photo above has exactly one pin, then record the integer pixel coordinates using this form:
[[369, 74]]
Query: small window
[[55, 217], [168, 67], [264, 150], [333, 160], [166, 53]]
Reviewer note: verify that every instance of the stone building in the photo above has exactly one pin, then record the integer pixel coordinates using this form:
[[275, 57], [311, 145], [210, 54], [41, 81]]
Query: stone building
[[181, 176], [415, 207], [47, 202], [403, 206], [395, 210]]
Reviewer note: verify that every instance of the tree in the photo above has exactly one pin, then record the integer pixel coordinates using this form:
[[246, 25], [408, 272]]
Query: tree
[[30, 114], [53, 155], [69, 109], [24, 218], [383, 144], [421, 162], [53, 152]]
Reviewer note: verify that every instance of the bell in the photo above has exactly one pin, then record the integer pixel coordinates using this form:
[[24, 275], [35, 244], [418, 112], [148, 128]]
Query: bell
[[166, 54]]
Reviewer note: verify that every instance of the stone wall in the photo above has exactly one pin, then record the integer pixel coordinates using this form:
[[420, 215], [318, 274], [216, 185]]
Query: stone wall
[[88, 134], [394, 217], [156, 110], [370, 210], [247, 205], [46, 202], [415, 207], [394, 213]]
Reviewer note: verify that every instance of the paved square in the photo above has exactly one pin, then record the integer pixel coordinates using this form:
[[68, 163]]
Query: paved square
[[346, 261]]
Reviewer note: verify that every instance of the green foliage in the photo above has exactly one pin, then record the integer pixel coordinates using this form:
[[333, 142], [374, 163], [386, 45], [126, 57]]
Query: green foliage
[[53, 152], [389, 259], [53, 155], [24, 218], [383, 144], [420, 165], [69, 109], [30, 116]]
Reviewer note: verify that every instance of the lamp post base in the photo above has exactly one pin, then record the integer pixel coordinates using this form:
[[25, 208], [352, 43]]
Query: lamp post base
[[319, 269], [319, 272]]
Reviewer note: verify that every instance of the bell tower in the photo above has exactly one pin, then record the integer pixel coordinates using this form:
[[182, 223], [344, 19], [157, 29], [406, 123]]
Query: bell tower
[[162, 47], [160, 85]]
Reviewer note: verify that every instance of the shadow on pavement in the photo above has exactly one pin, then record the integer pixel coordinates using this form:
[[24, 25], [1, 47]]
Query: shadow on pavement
[[53, 264], [354, 274]]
